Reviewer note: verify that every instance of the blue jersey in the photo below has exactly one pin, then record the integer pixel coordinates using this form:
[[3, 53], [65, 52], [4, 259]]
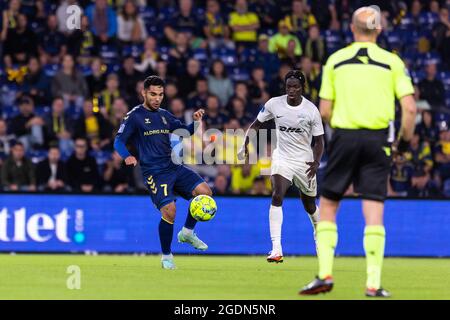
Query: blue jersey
[[149, 131]]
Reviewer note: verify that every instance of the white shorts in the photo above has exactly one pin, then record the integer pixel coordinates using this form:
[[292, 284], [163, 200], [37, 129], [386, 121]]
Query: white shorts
[[296, 173]]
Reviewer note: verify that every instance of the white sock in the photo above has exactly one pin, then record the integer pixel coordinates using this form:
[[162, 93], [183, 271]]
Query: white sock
[[186, 231], [167, 256], [275, 221], [314, 218]]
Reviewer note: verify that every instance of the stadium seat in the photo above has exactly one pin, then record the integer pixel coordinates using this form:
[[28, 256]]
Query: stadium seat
[[148, 15], [201, 55], [228, 56], [42, 111], [9, 111], [333, 40], [446, 188], [238, 74], [37, 156], [428, 20], [51, 69], [109, 53], [85, 69], [133, 50], [417, 76]]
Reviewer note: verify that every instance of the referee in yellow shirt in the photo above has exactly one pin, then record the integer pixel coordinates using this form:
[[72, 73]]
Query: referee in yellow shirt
[[359, 87]]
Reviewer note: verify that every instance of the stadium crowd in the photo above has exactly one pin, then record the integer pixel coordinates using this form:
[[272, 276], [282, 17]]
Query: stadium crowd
[[65, 90]]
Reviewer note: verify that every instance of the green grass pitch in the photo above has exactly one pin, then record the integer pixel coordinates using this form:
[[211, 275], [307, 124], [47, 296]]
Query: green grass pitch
[[25, 276]]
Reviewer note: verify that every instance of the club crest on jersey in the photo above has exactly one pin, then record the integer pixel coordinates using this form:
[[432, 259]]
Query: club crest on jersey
[[164, 120], [147, 121]]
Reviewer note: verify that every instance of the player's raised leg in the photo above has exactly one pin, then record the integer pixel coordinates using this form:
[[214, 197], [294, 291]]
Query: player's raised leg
[[166, 234], [279, 186]]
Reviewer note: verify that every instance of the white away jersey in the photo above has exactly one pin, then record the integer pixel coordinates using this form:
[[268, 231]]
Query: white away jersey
[[295, 127]]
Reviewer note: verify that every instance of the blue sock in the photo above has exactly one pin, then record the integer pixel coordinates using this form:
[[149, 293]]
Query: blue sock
[[165, 236], [190, 221]]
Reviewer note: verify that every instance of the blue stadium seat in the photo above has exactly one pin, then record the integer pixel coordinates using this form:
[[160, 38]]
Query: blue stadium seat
[[228, 56], [85, 69], [8, 93], [133, 50], [42, 111], [444, 76], [238, 74], [37, 156], [417, 76], [109, 53], [148, 15], [333, 40], [348, 37], [446, 188], [51, 69], [166, 13], [428, 19], [112, 68], [201, 55], [406, 23], [9, 111]]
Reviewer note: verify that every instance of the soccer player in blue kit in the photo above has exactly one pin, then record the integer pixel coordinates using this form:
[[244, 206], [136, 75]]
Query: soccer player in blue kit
[[148, 128]]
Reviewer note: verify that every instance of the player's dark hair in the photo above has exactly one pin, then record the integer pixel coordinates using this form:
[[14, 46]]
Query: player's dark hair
[[153, 81], [297, 74]]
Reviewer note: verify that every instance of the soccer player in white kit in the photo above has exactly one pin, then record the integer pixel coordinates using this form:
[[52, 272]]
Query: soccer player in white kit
[[298, 123]]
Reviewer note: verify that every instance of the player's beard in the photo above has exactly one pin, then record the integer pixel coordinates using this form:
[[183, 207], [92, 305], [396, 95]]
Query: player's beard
[[149, 106]]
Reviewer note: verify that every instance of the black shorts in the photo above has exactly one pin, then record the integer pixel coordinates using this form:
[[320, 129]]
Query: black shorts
[[361, 157]]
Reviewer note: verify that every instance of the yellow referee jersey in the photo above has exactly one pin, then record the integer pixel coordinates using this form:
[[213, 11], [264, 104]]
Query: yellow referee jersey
[[363, 81]]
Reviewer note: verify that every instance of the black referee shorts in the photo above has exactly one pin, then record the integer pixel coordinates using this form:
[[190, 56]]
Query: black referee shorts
[[361, 157]]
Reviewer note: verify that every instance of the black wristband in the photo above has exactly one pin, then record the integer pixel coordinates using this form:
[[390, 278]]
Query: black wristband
[[402, 145]]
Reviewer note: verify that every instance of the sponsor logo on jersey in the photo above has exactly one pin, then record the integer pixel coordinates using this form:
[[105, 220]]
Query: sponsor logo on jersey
[[295, 130]]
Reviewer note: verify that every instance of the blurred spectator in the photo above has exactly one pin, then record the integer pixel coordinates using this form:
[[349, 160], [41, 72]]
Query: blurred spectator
[[259, 187], [427, 130], [81, 42], [149, 58], [419, 154], [244, 24], [214, 118], [422, 185], [109, 94], [279, 42], [216, 28], [6, 140], [312, 77], [97, 79], [442, 155], [27, 127], [20, 43], [264, 58], [400, 177], [59, 127], [117, 176], [179, 55], [51, 173], [431, 88], [258, 87], [119, 111], [441, 34], [170, 93], [177, 109], [36, 84], [52, 43], [197, 99], [220, 185], [188, 80], [184, 20], [70, 84], [137, 98], [239, 112], [412, 18], [10, 18], [300, 19], [18, 171], [267, 12], [131, 28], [241, 91], [218, 82], [243, 178], [82, 172], [315, 47], [129, 77], [94, 127], [276, 86], [320, 9], [103, 21]]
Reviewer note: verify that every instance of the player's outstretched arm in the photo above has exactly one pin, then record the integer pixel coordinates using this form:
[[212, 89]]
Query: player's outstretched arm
[[243, 151], [122, 150]]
